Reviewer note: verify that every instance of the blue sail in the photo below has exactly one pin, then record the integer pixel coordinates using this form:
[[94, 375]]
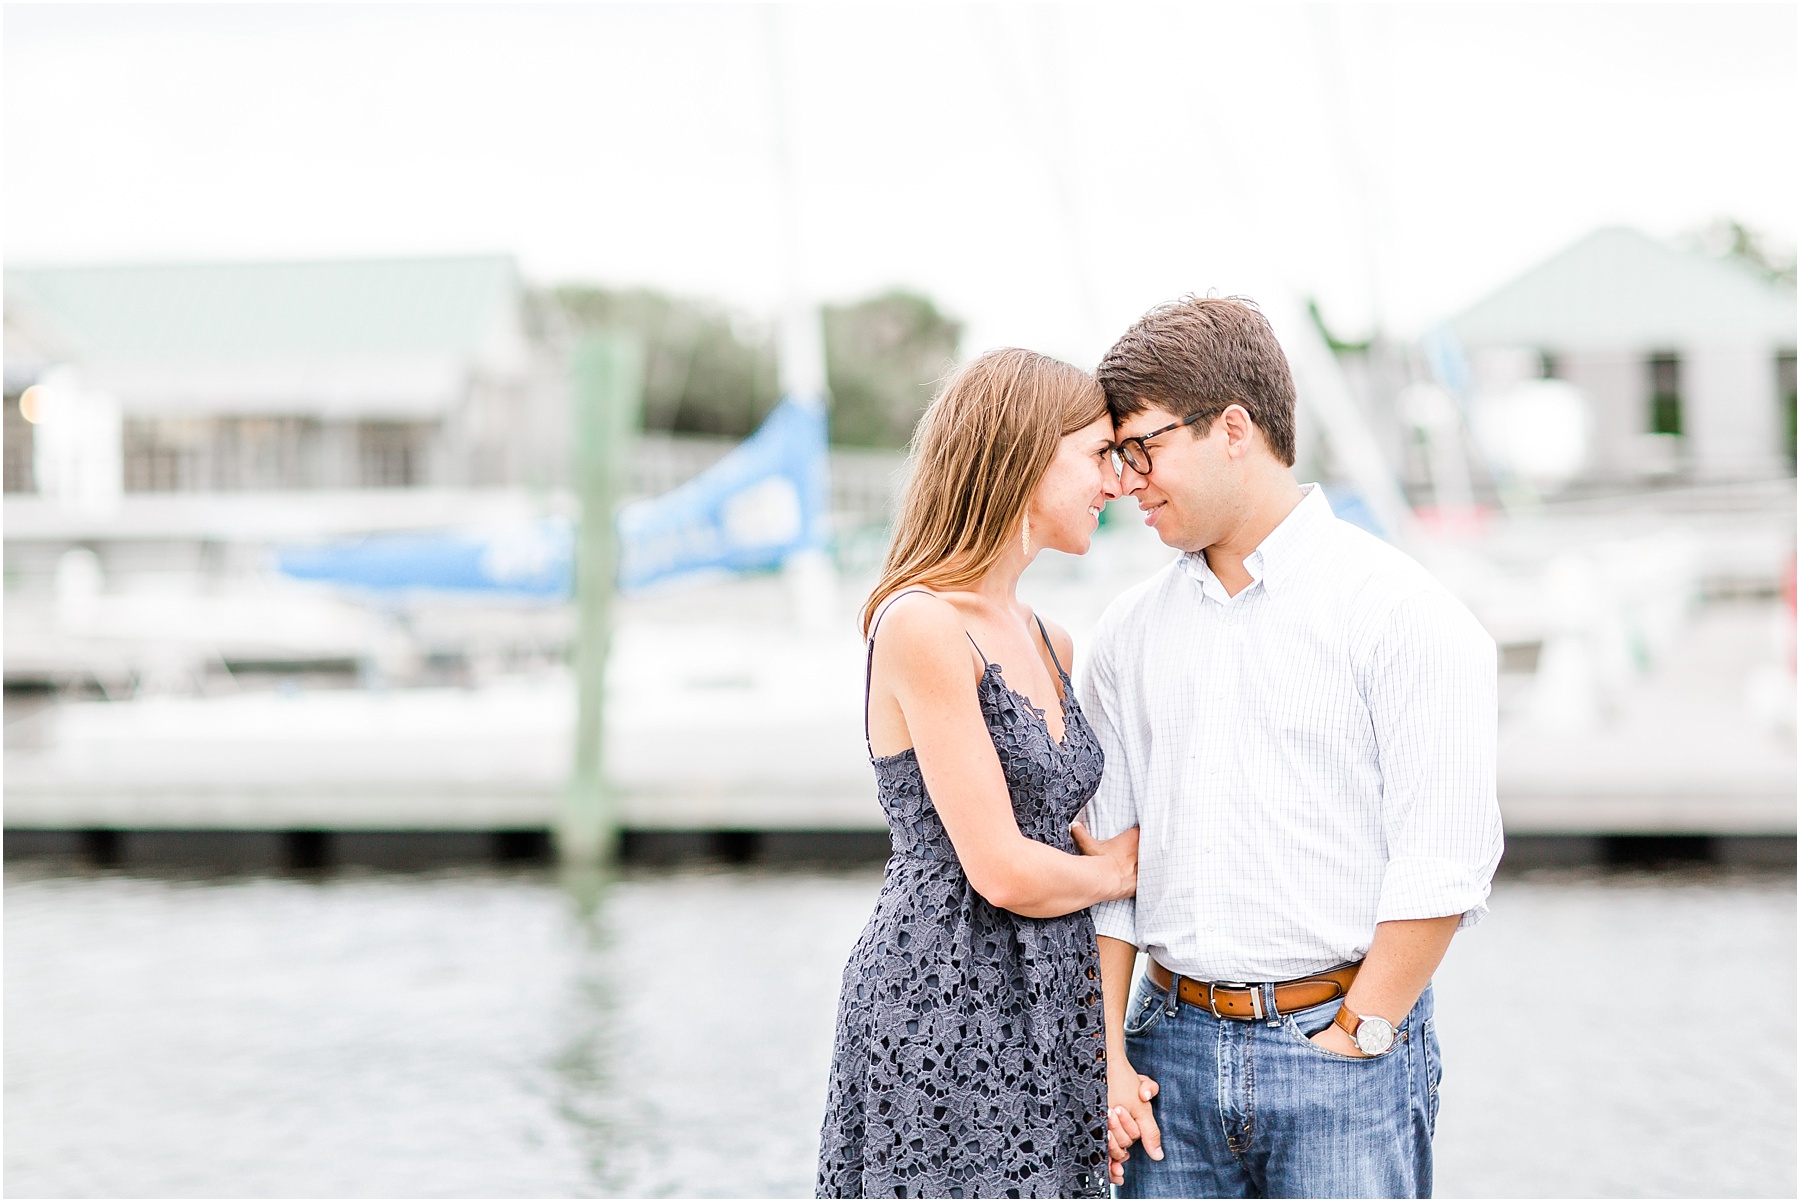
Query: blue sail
[[760, 504], [527, 559]]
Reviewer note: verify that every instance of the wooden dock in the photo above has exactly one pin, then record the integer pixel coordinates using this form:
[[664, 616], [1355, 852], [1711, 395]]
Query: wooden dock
[[745, 742]]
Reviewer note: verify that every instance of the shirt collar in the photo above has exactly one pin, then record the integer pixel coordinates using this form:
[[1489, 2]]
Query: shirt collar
[[1281, 550]]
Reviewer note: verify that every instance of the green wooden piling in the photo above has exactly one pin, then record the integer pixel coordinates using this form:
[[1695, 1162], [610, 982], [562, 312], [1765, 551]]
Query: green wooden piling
[[607, 375]]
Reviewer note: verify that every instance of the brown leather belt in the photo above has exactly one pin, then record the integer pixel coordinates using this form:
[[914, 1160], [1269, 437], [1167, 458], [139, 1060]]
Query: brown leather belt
[[1246, 1001]]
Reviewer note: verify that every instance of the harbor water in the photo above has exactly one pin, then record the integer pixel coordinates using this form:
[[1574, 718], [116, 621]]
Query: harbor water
[[666, 1033]]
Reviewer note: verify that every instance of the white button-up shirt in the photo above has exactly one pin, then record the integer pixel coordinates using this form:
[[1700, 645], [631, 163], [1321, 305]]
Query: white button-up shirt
[[1306, 759]]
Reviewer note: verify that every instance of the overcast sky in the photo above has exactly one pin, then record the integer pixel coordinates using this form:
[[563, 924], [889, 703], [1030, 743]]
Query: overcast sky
[[1045, 172]]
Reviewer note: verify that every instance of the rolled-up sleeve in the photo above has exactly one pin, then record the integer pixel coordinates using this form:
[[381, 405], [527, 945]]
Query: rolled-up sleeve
[[1432, 698], [1113, 808]]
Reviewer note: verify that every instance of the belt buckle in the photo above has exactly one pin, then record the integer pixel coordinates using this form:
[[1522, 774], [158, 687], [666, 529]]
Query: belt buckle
[[1212, 1001]]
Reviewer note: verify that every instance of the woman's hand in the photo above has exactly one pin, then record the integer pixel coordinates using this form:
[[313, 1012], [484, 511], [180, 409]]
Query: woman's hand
[[1129, 1117], [1120, 854]]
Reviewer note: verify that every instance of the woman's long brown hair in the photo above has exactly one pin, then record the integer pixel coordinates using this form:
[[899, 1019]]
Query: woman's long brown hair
[[977, 456]]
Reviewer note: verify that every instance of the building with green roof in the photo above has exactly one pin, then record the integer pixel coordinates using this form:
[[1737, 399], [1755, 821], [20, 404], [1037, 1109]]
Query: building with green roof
[[292, 375], [1687, 360]]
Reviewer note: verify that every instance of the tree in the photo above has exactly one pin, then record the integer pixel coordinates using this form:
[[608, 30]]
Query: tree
[[884, 357], [1727, 237], [704, 372], [708, 371]]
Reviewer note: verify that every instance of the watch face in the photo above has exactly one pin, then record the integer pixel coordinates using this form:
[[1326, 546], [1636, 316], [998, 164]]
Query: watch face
[[1374, 1035]]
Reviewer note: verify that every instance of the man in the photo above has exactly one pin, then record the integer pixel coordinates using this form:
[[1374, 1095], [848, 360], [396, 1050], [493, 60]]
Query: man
[[1302, 723]]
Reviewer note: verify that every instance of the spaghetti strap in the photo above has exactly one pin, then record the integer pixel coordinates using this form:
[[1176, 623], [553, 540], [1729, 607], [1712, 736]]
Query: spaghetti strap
[[869, 657], [869, 660], [1050, 647]]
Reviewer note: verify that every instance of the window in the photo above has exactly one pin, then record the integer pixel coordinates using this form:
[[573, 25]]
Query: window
[[391, 454], [19, 474], [1784, 389], [227, 454], [166, 455], [254, 453], [1665, 394], [150, 465]]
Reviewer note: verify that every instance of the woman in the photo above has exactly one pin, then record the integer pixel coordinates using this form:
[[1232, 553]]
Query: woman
[[970, 1057]]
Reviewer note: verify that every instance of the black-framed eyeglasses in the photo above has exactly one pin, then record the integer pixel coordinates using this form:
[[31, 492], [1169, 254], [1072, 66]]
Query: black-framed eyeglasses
[[1132, 453]]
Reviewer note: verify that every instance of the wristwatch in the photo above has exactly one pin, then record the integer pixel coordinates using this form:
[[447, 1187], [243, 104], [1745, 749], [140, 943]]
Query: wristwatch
[[1372, 1033]]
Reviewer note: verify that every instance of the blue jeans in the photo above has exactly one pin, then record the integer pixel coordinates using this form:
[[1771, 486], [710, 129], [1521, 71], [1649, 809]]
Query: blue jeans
[[1256, 1110]]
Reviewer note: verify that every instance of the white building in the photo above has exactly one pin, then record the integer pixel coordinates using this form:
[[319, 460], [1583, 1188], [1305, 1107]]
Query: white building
[[277, 376], [1686, 361], [167, 425]]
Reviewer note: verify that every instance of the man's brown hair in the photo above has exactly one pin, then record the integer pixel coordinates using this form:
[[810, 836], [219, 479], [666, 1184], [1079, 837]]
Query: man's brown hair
[[1203, 355]]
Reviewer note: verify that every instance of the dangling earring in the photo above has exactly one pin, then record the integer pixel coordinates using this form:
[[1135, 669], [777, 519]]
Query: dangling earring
[[1025, 537]]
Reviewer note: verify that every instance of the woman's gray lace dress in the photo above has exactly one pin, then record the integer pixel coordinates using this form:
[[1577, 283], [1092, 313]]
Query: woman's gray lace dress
[[971, 1055]]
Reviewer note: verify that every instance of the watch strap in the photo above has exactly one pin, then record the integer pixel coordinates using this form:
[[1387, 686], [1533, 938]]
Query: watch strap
[[1347, 1019]]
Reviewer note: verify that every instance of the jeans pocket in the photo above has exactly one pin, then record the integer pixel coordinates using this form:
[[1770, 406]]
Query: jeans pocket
[[1303, 1025], [1148, 1003], [1434, 1069]]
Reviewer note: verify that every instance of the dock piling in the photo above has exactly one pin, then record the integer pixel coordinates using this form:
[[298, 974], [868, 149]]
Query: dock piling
[[607, 375]]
